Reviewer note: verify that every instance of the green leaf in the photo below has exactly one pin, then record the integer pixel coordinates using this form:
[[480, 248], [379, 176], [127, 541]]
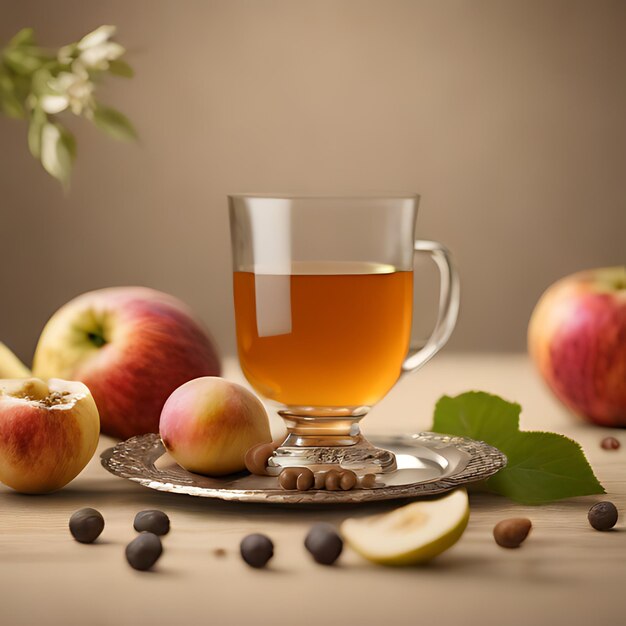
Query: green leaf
[[542, 467], [21, 61], [9, 102], [11, 106], [21, 87], [121, 68], [114, 123], [58, 150], [37, 121], [25, 37], [40, 83], [477, 415]]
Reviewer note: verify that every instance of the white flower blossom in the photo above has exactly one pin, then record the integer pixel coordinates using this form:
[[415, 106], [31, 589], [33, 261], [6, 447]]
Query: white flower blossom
[[66, 53], [54, 104], [71, 89], [96, 51], [98, 57], [96, 37]]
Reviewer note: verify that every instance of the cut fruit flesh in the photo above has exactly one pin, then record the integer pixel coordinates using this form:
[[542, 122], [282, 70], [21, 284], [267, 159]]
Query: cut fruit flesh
[[411, 534], [55, 393]]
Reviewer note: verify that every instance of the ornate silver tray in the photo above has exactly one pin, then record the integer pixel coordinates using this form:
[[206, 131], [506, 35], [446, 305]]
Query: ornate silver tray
[[428, 463]]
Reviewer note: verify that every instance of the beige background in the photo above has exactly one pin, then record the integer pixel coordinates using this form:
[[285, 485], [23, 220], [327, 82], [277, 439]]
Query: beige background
[[508, 118]]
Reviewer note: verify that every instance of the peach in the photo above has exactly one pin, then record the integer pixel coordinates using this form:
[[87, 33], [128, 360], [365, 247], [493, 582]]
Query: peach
[[48, 433], [208, 424]]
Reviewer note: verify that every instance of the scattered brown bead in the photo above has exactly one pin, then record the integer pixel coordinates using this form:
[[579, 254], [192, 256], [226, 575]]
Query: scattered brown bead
[[510, 533], [256, 550], [610, 443], [86, 525], [219, 552], [367, 481], [296, 478], [603, 515], [324, 544], [257, 456]]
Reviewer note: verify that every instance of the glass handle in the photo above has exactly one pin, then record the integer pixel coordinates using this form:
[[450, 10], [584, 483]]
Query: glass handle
[[449, 296]]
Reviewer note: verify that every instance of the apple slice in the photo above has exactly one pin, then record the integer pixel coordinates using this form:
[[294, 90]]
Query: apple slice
[[411, 534], [10, 365], [48, 432]]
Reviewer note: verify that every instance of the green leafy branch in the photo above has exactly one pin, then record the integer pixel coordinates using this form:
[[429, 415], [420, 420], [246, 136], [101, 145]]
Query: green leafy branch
[[40, 86], [542, 467]]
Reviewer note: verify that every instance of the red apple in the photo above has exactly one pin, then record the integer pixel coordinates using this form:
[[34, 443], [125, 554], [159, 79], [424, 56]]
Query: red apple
[[48, 433], [131, 346], [577, 338], [209, 424]]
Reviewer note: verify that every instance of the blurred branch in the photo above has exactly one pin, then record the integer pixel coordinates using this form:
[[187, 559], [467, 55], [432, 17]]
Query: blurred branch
[[38, 85]]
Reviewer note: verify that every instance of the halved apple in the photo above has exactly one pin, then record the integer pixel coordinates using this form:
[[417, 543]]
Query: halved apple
[[412, 534], [48, 432]]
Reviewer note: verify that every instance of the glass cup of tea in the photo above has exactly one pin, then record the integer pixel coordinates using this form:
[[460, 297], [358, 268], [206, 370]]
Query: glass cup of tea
[[323, 290]]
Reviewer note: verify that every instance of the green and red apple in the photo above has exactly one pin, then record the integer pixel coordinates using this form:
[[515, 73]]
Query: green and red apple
[[48, 433], [208, 424], [577, 339], [132, 346]]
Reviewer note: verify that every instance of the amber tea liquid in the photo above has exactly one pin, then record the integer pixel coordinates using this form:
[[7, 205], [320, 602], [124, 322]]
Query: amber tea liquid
[[327, 335]]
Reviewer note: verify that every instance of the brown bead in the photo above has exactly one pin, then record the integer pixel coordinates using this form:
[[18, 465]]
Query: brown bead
[[367, 481], [288, 478], [510, 533], [257, 456], [347, 479], [610, 443], [305, 479], [320, 480], [333, 479], [296, 478]]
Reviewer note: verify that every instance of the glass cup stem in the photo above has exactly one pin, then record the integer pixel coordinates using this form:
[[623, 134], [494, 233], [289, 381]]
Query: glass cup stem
[[322, 443]]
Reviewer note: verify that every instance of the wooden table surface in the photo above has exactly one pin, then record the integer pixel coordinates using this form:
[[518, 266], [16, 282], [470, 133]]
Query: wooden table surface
[[565, 574]]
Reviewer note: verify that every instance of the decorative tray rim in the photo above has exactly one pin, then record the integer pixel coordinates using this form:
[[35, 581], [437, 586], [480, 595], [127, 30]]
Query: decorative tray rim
[[134, 460]]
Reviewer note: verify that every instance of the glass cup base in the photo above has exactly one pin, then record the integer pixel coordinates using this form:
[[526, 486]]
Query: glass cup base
[[323, 438], [361, 457]]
